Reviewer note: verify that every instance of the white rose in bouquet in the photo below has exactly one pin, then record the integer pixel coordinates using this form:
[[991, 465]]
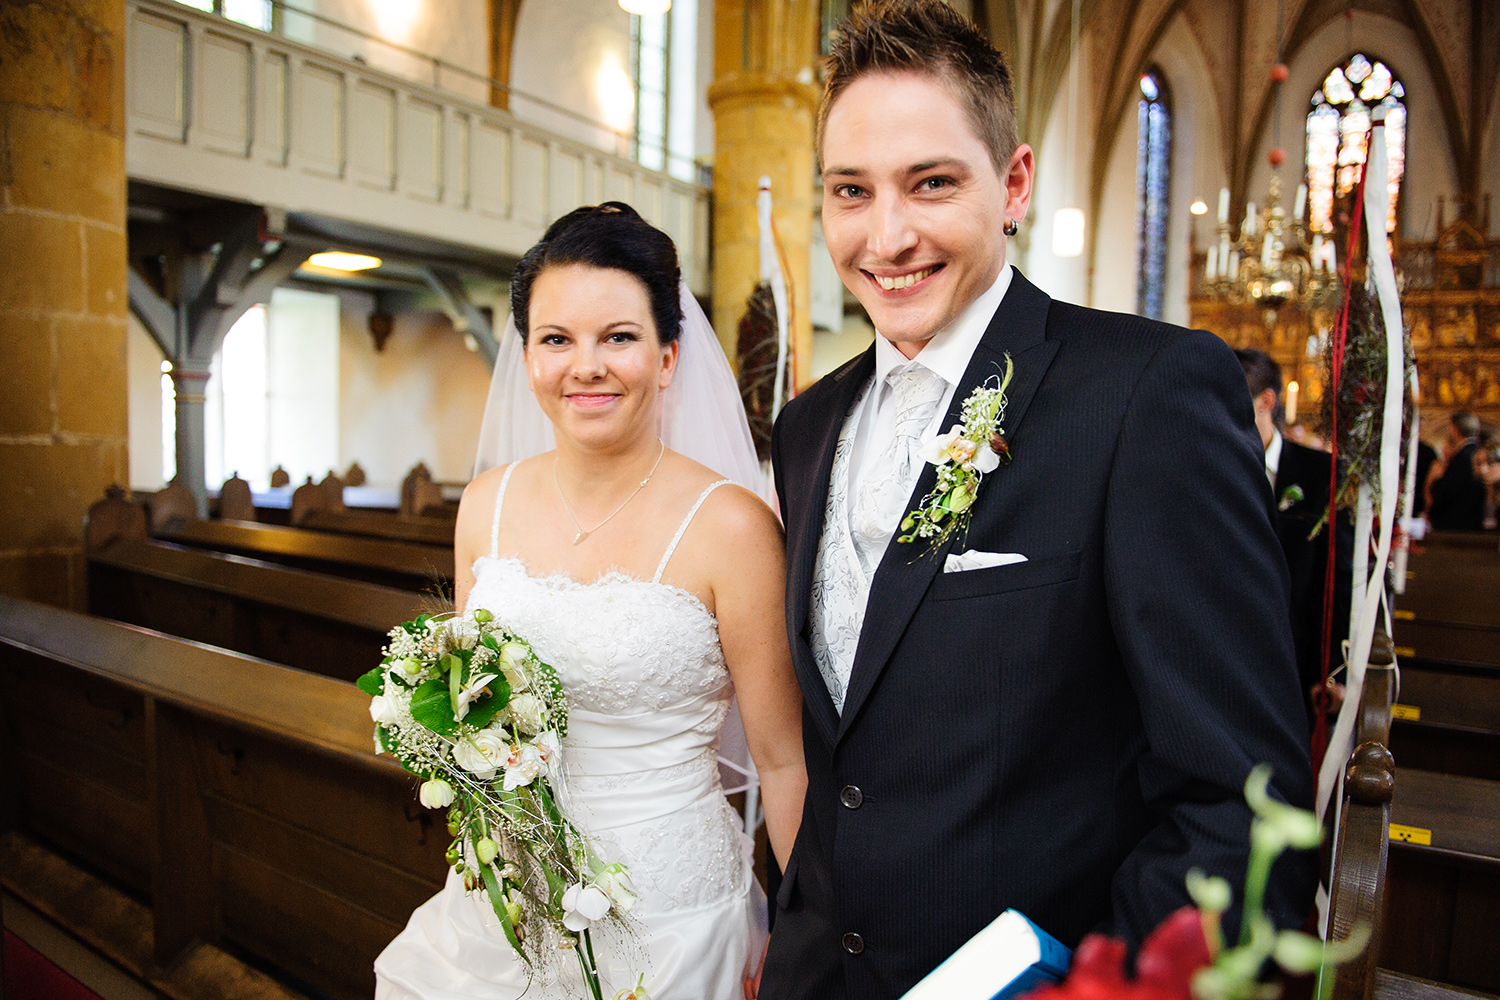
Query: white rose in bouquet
[[482, 753]]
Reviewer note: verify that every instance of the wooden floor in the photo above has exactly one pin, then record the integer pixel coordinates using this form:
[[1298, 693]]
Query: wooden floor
[[108, 946]]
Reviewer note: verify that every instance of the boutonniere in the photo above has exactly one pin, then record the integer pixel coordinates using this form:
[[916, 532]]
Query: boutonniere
[[963, 455], [1291, 495]]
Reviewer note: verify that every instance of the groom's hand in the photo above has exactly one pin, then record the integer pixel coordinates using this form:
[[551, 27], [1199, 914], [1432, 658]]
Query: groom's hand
[[752, 983]]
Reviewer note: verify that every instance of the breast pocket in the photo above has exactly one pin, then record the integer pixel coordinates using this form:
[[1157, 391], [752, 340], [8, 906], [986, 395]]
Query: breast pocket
[[1002, 579]]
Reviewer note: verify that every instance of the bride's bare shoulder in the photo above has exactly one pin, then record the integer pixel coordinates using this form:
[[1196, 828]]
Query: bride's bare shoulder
[[476, 508]]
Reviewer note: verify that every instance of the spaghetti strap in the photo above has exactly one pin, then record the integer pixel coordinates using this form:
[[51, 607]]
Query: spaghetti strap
[[499, 501], [666, 556]]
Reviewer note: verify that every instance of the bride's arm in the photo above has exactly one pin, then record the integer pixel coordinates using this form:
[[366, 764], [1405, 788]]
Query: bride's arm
[[749, 585]]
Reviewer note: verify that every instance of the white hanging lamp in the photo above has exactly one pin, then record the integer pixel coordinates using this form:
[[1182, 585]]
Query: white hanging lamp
[[646, 7]]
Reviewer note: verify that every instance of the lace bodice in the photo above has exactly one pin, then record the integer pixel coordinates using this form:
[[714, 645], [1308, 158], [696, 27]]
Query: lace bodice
[[648, 692]]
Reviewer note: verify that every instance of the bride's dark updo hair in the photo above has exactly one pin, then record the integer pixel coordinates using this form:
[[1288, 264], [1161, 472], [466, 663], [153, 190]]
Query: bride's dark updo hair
[[611, 235]]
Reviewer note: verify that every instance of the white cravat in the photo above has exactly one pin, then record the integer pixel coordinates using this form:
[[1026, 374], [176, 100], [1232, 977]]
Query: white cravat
[[880, 501]]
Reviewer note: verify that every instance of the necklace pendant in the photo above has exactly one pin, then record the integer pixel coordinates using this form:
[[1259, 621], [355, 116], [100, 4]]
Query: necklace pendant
[[578, 538]]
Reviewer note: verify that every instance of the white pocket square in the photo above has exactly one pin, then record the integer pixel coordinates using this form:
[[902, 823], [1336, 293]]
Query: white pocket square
[[974, 559]]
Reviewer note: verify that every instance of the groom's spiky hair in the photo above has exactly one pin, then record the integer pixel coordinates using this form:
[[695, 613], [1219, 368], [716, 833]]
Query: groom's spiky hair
[[929, 37]]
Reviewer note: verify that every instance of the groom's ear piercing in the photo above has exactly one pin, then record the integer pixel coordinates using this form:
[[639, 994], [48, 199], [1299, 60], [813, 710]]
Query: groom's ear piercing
[[1011, 227]]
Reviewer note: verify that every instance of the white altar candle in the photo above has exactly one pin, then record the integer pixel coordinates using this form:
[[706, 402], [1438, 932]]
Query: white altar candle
[[1333, 257], [1223, 205], [1213, 254], [1266, 252], [1249, 227], [1317, 251], [1301, 201], [1234, 265], [1292, 389]]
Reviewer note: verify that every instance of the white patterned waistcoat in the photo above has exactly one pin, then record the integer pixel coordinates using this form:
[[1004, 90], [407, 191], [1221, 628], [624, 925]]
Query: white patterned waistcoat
[[840, 589]]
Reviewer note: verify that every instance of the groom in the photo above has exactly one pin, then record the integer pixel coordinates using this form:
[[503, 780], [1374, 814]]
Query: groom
[[1065, 728]]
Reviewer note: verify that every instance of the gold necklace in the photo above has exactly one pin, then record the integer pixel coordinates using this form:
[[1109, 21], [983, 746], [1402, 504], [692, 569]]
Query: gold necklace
[[582, 534]]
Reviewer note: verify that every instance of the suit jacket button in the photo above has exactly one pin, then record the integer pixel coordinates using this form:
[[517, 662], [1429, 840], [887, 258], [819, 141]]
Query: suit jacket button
[[853, 943], [851, 797]]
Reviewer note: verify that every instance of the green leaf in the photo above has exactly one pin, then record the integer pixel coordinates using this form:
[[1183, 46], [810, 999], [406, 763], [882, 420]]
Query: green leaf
[[431, 706], [492, 889], [372, 683], [484, 710]]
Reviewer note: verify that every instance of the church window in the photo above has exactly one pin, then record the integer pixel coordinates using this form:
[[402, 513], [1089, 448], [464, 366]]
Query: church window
[[255, 13], [664, 57], [1152, 186], [1337, 132]]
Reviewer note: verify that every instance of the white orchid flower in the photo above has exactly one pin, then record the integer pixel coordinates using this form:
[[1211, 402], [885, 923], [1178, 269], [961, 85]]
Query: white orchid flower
[[985, 459], [482, 753], [582, 905], [935, 447], [468, 693], [523, 765]]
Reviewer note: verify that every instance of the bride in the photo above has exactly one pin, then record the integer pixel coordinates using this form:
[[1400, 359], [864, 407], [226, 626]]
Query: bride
[[654, 585]]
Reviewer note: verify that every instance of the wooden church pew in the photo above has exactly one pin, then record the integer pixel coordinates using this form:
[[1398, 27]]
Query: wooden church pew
[[381, 524], [313, 621], [406, 565], [1447, 636], [1448, 720], [239, 800], [1444, 916]]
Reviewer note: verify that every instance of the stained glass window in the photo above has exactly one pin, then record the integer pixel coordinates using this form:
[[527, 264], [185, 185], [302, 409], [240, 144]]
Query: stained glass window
[[1152, 178], [1338, 130]]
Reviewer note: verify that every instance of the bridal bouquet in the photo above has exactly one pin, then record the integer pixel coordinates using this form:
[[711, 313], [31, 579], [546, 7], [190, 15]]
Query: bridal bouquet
[[466, 704]]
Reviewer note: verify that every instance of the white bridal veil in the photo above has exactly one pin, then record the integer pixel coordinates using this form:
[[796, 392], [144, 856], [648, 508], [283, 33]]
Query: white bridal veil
[[702, 417]]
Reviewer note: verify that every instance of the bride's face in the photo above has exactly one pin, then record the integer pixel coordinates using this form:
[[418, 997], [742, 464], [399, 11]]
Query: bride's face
[[592, 355]]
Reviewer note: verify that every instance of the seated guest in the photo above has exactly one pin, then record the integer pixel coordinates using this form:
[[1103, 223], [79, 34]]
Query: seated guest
[[1457, 497], [1487, 471], [1300, 478]]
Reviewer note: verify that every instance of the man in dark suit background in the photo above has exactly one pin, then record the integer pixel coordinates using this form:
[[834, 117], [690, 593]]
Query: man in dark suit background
[[1054, 709], [1457, 495], [1299, 478]]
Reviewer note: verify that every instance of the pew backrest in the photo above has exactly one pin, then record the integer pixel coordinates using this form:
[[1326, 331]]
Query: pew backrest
[[410, 565], [243, 798]]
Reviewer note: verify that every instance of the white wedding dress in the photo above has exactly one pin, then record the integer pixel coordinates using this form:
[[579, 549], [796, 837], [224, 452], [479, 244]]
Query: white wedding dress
[[648, 693]]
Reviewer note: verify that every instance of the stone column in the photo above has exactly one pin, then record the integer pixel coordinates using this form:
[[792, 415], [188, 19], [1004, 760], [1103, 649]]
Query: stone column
[[764, 106], [190, 382], [62, 285]]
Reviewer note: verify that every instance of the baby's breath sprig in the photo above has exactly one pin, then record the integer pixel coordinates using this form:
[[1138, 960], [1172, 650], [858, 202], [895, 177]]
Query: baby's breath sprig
[[962, 455]]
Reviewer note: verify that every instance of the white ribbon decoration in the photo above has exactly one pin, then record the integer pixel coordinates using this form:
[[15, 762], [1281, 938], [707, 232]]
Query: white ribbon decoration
[[1368, 591]]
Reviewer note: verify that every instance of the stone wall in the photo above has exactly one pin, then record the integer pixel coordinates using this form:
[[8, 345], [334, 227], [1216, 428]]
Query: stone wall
[[62, 284]]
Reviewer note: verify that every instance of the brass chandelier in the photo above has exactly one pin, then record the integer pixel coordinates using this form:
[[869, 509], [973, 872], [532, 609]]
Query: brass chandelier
[[1275, 260]]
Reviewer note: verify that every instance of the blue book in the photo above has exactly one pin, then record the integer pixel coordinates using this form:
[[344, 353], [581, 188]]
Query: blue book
[[1009, 958]]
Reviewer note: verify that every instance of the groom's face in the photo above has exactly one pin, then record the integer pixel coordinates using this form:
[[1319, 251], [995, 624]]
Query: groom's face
[[913, 206]]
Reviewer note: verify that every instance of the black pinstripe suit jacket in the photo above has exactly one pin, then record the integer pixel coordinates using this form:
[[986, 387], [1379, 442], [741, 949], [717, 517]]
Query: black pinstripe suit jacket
[[1067, 735]]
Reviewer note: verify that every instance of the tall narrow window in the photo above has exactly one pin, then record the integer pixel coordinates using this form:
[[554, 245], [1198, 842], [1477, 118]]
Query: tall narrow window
[[1337, 131], [1152, 185], [663, 68], [650, 37]]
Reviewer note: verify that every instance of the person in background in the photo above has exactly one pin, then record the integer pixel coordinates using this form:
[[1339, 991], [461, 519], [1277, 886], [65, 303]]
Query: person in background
[[1300, 479], [1487, 472], [1456, 496]]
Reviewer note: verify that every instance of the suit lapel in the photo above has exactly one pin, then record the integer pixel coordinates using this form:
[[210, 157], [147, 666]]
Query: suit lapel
[[908, 568], [802, 559]]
